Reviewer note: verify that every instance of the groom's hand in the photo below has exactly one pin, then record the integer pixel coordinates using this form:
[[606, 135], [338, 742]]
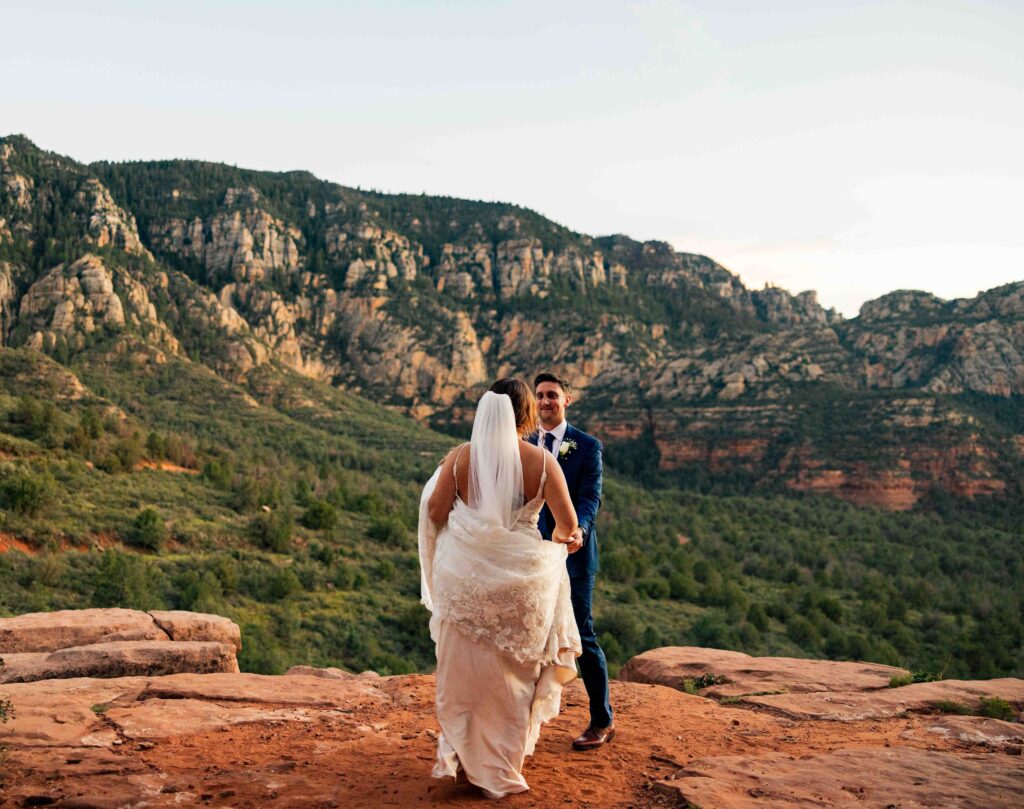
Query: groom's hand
[[576, 541]]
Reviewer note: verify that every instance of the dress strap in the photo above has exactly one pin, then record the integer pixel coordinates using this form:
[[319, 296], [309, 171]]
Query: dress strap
[[543, 474], [455, 469]]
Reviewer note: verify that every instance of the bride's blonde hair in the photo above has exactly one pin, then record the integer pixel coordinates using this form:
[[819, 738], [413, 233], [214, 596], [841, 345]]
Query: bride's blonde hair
[[524, 402]]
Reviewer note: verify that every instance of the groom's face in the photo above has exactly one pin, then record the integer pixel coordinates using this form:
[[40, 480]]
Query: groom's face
[[551, 402]]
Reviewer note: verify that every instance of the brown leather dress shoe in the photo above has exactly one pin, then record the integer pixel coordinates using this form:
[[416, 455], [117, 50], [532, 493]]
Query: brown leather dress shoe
[[593, 738]]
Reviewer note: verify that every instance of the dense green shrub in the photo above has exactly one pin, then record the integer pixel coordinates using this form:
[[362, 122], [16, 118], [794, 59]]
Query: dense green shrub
[[319, 516], [273, 529], [709, 630], [219, 472], [802, 632], [654, 588], [24, 490], [269, 583], [148, 530], [618, 566], [261, 652], [126, 580], [758, 617], [389, 529], [198, 591]]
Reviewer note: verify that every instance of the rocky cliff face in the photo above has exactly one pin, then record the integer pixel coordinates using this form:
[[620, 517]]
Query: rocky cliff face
[[916, 340], [106, 223], [421, 301], [8, 299], [73, 302], [243, 243]]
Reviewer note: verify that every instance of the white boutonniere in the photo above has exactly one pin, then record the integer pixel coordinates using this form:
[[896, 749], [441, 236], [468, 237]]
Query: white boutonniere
[[567, 446]]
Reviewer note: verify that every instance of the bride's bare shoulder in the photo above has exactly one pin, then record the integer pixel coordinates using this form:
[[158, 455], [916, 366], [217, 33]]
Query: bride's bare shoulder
[[532, 457], [528, 450], [454, 454]]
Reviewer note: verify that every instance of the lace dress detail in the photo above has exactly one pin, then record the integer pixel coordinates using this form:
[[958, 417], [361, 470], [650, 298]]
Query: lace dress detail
[[507, 586]]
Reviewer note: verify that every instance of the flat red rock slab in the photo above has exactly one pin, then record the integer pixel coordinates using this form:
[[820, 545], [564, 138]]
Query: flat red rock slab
[[16, 666], [673, 665], [362, 744], [331, 673], [852, 707], [182, 625], [164, 718], [129, 788], [122, 659], [72, 762], [50, 631], [263, 688], [902, 777], [977, 730], [60, 713]]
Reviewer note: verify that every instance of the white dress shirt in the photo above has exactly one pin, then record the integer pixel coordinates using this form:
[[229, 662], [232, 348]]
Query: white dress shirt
[[558, 432]]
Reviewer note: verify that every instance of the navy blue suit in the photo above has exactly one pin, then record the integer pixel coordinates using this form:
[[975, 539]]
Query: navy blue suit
[[583, 473]]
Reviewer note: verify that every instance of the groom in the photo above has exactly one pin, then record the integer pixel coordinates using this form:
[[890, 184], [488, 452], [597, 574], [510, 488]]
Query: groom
[[579, 455]]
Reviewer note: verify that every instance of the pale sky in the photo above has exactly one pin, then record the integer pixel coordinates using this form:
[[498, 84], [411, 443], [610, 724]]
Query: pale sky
[[849, 147]]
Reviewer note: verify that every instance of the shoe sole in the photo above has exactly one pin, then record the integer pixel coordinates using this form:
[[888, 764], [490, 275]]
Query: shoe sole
[[585, 747]]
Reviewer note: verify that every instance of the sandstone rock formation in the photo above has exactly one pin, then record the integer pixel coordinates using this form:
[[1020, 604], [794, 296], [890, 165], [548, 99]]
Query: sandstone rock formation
[[810, 689], [993, 733], [106, 222], [740, 674], [115, 643], [120, 659], [880, 777], [74, 301], [330, 738], [183, 625], [846, 706], [50, 631], [243, 245], [8, 300]]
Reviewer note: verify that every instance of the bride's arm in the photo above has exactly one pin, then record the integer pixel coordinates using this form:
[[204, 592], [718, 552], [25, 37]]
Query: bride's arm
[[443, 498], [556, 494]]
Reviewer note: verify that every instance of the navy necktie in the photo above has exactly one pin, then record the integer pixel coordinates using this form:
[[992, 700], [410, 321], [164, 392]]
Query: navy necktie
[[549, 442]]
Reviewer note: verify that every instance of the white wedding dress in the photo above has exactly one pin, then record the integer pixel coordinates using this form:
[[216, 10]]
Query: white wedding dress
[[501, 618]]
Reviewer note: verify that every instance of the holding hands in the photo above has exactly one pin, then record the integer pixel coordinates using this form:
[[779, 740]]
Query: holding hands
[[575, 540]]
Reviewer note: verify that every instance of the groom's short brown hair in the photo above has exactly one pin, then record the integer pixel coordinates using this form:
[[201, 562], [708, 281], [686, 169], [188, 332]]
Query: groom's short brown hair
[[547, 376]]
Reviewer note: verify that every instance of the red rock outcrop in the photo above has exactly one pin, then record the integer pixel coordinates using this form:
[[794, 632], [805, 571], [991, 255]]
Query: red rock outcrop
[[740, 674], [182, 625], [50, 631], [865, 777], [120, 659], [847, 707], [115, 643], [328, 738]]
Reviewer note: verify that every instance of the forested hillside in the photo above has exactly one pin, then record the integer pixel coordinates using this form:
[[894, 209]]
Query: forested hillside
[[218, 388]]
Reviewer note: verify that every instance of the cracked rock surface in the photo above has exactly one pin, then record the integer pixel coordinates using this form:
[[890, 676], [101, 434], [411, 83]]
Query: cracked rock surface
[[323, 738]]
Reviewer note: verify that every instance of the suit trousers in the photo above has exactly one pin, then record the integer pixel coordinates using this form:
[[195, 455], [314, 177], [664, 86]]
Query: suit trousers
[[592, 662]]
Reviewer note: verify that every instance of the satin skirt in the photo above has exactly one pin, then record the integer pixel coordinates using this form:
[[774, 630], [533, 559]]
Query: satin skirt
[[491, 709]]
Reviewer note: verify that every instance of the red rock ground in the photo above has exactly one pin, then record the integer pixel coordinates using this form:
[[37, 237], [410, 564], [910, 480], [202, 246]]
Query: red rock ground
[[380, 755]]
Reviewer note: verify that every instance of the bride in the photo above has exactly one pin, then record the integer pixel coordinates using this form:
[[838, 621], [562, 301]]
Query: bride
[[501, 616]]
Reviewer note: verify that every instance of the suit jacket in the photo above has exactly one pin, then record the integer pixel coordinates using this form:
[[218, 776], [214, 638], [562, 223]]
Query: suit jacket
[[583, 473]]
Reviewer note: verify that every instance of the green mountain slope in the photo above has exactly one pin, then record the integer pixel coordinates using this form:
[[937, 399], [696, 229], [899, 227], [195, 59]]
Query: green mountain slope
[[207, 374], [300, 526]]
